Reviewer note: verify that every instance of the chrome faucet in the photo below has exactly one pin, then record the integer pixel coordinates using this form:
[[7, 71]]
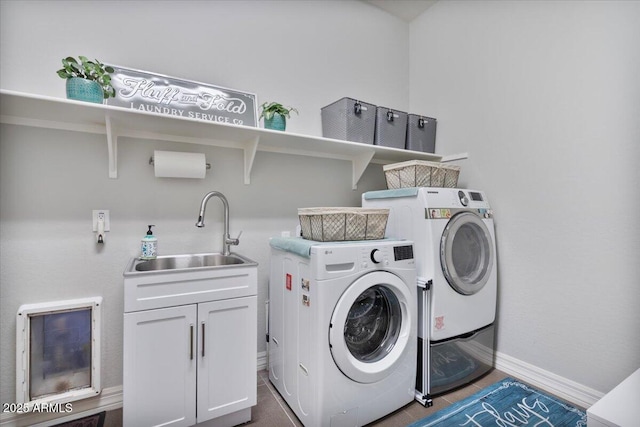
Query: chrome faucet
[[227, 241]]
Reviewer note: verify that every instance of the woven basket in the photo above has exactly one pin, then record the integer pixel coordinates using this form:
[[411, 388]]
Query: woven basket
[[340, 224], [420, 173]]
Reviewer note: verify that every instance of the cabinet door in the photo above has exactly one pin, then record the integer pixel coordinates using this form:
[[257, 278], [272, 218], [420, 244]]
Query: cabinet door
[[159, 367], [227, 351]]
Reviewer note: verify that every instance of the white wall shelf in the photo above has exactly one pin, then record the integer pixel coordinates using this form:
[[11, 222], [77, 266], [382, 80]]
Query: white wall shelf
[[57, 113]]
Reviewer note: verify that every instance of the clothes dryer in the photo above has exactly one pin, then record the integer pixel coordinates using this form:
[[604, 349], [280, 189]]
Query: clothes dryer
[[455, 251], [342, 329]]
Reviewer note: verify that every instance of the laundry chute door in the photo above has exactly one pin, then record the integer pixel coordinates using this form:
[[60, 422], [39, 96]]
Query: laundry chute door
[[466, 253], [371, 326]]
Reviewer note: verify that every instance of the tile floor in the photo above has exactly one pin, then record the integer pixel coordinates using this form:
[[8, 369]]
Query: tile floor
[[272, 411]]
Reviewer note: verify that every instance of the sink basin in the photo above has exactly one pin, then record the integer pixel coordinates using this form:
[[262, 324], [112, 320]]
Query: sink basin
[[185, 262]]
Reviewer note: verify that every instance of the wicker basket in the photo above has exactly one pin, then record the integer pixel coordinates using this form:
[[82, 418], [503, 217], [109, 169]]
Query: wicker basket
[[340, 224], [420, 173]]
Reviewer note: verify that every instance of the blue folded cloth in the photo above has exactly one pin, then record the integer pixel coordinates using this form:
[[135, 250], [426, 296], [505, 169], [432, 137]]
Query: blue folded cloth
[[296, 245], [388, 194]]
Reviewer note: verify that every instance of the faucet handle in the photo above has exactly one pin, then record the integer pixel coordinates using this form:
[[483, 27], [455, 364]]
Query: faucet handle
[[235, 241]]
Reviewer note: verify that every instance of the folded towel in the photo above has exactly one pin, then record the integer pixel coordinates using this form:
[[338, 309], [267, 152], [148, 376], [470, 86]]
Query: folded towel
[[388, 194], [296, 245]]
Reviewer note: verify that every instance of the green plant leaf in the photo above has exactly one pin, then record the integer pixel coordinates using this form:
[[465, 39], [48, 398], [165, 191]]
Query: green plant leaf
[[90, 70], [271, 108]]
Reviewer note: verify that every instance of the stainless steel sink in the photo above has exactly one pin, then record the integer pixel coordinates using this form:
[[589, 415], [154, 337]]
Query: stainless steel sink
[[190, 261]]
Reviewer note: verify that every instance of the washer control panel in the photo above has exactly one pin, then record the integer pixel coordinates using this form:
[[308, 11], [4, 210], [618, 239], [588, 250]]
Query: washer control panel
[[383, 254], [355, 256]]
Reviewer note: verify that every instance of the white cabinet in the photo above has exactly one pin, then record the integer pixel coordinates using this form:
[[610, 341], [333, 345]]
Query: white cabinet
[[227, 376], [619, 407], [193, 361], [159, 371]]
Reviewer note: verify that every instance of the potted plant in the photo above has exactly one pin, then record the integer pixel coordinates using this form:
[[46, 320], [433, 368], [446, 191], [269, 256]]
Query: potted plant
[[276, 115], [87, 80]]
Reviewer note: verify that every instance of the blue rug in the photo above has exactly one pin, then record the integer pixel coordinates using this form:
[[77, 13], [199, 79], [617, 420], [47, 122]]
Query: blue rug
[[507, 403]]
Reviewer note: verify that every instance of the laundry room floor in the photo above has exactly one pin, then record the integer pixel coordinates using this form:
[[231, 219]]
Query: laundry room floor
[[272, 411]]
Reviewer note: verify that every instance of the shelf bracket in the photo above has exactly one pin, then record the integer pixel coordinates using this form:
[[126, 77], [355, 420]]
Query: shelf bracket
[[358, 165], [112, 147], [249, 150]]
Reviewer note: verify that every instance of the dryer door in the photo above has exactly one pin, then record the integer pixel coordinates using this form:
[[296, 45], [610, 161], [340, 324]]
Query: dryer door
[[371, 326], [466, 253]]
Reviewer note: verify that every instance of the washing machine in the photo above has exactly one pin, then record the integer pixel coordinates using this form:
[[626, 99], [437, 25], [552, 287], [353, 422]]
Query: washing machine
[[455, 252], [342, 328]]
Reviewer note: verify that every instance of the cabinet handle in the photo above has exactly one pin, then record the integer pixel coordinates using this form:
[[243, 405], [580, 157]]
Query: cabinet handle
[[191, 343], [202, 339]]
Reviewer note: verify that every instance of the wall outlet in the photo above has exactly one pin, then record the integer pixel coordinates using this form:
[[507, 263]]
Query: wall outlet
[[101, 214]]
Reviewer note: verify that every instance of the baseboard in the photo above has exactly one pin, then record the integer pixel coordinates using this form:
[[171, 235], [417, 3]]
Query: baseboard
[[564, 388], [262, 360], [108, 400]]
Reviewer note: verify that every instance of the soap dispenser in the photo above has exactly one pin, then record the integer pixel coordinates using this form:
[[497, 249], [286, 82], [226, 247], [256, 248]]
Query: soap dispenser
[[149, 245]]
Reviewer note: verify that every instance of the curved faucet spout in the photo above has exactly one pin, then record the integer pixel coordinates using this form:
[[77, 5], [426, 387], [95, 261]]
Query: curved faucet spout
[[227, 241]]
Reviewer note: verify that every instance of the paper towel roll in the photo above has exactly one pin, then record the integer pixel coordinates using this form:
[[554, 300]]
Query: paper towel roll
[[173, 164]]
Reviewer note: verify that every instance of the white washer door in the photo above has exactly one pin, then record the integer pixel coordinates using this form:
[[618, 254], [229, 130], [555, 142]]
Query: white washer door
[[370, 327], [466, 253]]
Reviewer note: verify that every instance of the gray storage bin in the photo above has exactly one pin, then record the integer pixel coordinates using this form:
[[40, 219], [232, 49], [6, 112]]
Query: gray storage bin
[[350, 120], [421, 133], [391, 127]]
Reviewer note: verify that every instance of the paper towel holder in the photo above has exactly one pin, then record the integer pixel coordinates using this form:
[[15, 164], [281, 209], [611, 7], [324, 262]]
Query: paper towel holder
[[208, 165]]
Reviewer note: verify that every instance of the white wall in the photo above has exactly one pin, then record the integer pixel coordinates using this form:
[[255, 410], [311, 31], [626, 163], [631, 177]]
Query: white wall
[[301, 53], [545, 97], [50, 181]]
